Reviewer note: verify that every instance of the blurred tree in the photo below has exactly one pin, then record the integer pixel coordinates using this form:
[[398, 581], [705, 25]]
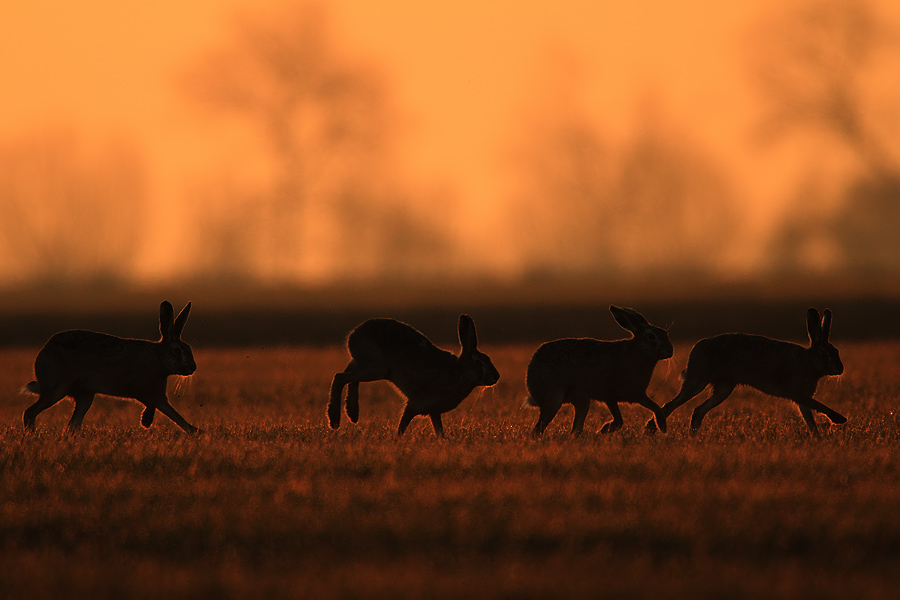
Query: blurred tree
[[562, 215], [675, 210], [325, 124], [867, 229], [815, 64], [653, 205], [67, 217]]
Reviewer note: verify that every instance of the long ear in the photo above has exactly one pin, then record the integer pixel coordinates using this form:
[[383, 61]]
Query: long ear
[[468, 338], [166, 318], [826, 325], [180, 320], [628, 318], [813, 325]]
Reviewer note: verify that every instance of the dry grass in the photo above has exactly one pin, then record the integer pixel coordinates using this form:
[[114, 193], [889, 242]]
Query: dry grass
[[271, 503]]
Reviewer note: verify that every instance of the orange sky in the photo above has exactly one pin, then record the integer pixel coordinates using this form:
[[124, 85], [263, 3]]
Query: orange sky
[[464, 75]]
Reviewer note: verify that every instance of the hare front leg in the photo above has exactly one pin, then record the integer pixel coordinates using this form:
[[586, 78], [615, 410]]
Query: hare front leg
[[833, 415], [658, 413], [689, 389], [409, 413], [807, 405], [806, 413], [83, 402], [407, 416], [167, 409], [582, 407]]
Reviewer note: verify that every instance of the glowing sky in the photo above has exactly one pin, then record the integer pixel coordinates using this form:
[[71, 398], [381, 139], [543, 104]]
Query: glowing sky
[[464, 77]]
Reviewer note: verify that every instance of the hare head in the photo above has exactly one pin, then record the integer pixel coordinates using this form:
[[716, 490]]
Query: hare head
[[825, 357], [175, 355], [476, 366], [653, 341]]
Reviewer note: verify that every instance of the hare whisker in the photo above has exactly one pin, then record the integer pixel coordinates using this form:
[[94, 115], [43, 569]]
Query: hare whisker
[[183, 385]]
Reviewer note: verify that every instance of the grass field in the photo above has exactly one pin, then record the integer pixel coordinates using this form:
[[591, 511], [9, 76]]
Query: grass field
[[269, 502]]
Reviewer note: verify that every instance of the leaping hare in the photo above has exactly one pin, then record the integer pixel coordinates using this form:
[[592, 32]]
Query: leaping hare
[[81, 364], [434, 381], [777, 368], [576, 371]]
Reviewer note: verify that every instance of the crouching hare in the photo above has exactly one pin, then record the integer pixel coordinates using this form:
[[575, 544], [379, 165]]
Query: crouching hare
[[576, 371], [81, 364], [434, 381], [777, 368]]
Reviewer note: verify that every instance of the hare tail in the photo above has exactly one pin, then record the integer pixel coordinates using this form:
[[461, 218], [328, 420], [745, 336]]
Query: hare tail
[[31, 388]]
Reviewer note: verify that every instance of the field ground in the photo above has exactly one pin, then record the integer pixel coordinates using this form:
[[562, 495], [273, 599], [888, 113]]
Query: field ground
[[269, 502]]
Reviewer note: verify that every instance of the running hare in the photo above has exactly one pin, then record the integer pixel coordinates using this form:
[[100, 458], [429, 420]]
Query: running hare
[[434, 381], [83, 363], [576, 371], [776, 368]]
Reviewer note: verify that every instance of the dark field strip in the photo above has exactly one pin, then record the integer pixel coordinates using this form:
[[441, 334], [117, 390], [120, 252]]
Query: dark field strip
[[269, 502], [499, 321]]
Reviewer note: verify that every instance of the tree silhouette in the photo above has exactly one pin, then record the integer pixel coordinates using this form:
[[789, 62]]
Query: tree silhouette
[[562, 214], [675, 211], [68, 217], [325, 123], [652, 204], [813, 63]]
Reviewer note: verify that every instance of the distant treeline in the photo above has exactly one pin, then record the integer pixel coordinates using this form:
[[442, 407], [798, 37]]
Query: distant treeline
[[498, 323]]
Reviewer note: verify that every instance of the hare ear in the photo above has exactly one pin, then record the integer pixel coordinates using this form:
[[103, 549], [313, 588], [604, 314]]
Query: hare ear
[[813, 325], [468, 338], [180, 320], [166, 318], [826, 325], [627, 318]]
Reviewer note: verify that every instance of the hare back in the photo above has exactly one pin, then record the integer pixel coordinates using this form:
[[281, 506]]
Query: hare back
[[380, 341], [77, 343], [591, 365], [773, 366], [100, 363]]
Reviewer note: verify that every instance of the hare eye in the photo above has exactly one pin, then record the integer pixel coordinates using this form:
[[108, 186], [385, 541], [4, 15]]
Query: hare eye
[[177, 351], [651, 336]]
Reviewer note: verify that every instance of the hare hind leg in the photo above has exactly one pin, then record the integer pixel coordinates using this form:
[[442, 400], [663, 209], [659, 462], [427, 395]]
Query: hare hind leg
[[689, 388], [45, 400], [549, 406], [437, 423], [353, 401], [83, 402], [147, 416], [617, 422], [719, 394], [350, 377]]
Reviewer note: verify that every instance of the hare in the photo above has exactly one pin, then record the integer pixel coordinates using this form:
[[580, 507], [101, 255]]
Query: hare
[[777, 368], [81, 364], [577, 371], [434, 381]]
